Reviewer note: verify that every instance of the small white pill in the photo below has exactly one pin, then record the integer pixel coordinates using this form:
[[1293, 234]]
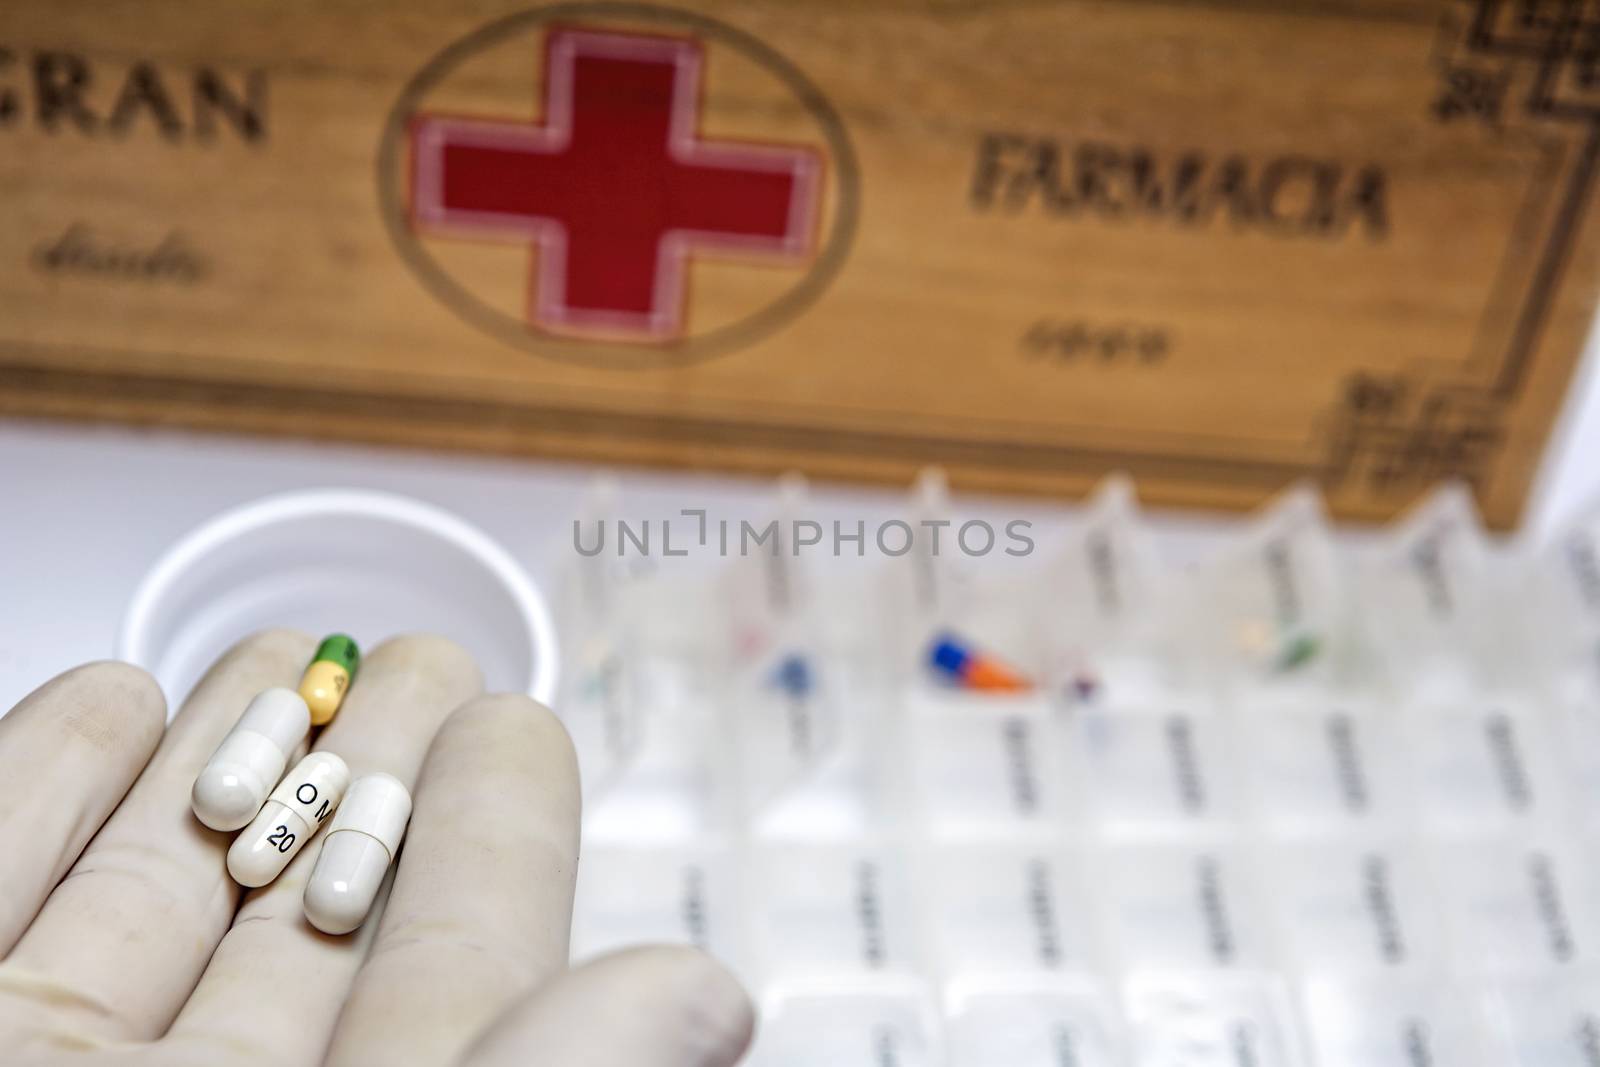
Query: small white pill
[[294, 812], [236, 780], [361, 843]]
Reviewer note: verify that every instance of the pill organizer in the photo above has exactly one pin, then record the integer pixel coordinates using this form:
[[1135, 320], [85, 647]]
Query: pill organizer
[[1298, 801]]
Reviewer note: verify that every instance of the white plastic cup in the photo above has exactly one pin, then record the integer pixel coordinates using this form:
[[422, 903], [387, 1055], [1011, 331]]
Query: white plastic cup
[[353, 561]]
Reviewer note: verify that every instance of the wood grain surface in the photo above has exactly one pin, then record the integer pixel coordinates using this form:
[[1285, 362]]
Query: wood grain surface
[[1224, 246]]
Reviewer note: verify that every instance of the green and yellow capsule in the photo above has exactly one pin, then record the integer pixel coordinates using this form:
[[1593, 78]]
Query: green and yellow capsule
[[1296, 651], [328, 677]]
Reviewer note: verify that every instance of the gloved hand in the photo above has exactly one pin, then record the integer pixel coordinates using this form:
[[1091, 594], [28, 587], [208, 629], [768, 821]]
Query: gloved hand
[[124, 941]]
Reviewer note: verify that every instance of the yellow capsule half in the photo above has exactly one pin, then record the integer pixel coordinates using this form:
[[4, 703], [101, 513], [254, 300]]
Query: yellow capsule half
[[328, 677]]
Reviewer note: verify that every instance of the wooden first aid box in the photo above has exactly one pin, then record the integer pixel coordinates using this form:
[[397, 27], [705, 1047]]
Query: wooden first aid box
[[1223, 246]]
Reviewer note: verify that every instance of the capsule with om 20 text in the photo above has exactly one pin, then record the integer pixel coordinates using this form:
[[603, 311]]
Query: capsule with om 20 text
[[292, 815]]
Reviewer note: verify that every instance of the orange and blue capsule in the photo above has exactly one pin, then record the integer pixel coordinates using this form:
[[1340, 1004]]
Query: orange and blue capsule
[[958, 663]]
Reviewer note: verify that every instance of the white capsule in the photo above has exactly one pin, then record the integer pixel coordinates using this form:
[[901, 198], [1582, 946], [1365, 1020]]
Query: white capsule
[[361, 843], [242, 771], [294, 812]]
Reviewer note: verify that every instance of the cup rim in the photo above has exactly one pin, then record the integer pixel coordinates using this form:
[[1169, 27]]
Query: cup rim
[[134, 635]]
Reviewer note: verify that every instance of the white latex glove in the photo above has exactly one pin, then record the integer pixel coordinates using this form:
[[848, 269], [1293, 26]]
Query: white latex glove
[[125, 943]]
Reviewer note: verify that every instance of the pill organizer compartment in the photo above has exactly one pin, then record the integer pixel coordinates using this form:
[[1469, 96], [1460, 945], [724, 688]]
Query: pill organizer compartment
[[1105, 611], [1272, 612], [1295, 801], [1353, 906], [672, 786], [653, 895], [1384, 1023], [815, 912], [808, 747], [994, 911], [1153, 772], [1323, 767], [1574, 729], [981, 765], [1203, 1021], [1517, 907], [1189, 907], [1482, 765], [1425, 594], [1560, 649], [849, 1024], [1034, 1023], [640, 700], [1543, 1024]]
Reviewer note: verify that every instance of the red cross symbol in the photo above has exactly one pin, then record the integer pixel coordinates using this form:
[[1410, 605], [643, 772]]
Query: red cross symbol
[[616, 189]]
